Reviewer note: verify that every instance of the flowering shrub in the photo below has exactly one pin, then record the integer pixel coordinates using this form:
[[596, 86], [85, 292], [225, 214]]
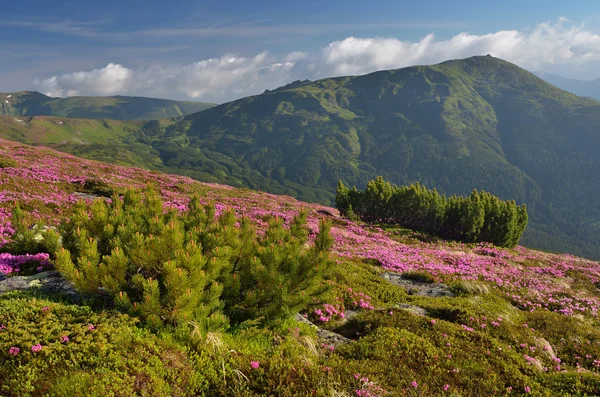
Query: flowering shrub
[[327, 313], [357, 300], [52, 352], [23, 264]]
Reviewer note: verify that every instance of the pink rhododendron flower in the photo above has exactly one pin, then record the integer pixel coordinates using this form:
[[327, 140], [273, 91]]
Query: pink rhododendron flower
[[36, 348], [13, 351], [254, 364]]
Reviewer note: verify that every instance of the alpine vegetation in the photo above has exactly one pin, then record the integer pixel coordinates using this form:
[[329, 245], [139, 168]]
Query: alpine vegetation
[[478, 218]]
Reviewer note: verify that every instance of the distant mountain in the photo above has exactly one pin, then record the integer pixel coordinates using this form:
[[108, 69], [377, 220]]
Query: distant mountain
[[578, 87], [475, 123], [27, 103]]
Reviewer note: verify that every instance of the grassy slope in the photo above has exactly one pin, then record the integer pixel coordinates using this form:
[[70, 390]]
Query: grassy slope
[[518, 296], [117, 107], [475, 123]]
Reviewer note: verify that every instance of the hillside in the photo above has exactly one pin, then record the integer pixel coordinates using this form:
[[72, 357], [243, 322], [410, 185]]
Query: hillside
[[26, 103], [475, 123], [578, 87], [434, 318]]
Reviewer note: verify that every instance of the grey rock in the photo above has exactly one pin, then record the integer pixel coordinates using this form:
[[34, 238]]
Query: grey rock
[[87, 196], [325, 336], [49, 282], [331, 338], [418, 288]]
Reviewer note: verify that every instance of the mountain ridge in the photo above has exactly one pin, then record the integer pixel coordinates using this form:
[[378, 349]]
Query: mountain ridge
[[33, 103]]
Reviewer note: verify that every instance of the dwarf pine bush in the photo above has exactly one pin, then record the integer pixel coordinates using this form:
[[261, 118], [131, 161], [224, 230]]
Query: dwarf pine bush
[[480, 217], [168, 267]]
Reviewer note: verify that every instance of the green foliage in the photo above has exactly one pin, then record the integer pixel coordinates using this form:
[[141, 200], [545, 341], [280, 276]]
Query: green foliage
[[420, 276], [30, 237], [481, 217], [103, 355], [171, 268], [6, 162]]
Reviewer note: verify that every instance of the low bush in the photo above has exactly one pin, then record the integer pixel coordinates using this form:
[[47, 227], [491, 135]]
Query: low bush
[[57, 349], [170, 267]]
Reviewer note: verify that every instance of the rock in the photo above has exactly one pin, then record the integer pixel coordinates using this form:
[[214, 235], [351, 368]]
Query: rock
[[49, 282], [417, 287], [331, 338], [416, 310], [87, 196], [325, 336], [546, 347]]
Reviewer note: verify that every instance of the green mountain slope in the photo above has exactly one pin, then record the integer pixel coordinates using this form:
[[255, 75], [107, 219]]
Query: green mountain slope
[[27, 103], [475, 123]]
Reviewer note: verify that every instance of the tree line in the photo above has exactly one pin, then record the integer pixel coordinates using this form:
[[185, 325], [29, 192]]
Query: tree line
[[480, 217]]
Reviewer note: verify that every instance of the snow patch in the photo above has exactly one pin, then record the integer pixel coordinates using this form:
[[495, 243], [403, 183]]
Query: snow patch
[[6, 101], [9, 96]]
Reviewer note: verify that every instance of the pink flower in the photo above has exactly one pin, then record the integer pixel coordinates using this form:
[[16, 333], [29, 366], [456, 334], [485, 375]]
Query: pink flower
[[254, 364], [446, 387], [527, 389], [13, 351], [414, 384], [45, 309], [91, 327], [432, 322], [64, 338], [36, 348]]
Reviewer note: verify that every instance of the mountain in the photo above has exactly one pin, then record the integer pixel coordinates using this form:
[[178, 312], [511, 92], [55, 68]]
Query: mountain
[[578, 87], [477, 123], [402, 317], [27, 103]]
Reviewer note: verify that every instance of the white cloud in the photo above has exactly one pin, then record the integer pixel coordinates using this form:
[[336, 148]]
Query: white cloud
[[545, 45], [232, 76], [215, 79]]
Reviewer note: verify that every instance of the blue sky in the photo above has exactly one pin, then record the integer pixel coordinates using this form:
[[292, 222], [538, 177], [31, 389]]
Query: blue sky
[[221, 50]]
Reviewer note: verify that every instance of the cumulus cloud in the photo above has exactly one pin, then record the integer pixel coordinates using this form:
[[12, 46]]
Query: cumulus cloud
[[232, 76], [547, 44], [215, 79], [109, 80]]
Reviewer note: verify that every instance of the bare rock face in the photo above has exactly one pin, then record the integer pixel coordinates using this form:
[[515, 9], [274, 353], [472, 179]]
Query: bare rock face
[[417, 287], [48, 282]]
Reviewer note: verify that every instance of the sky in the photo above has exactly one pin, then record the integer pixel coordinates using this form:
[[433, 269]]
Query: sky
[[218, 51]]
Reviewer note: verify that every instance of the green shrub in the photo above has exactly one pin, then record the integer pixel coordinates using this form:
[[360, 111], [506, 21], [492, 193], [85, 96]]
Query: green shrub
[[30, 237], [480, 217], [102, 354], [420, 276], [6, 162], [168, 267]]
